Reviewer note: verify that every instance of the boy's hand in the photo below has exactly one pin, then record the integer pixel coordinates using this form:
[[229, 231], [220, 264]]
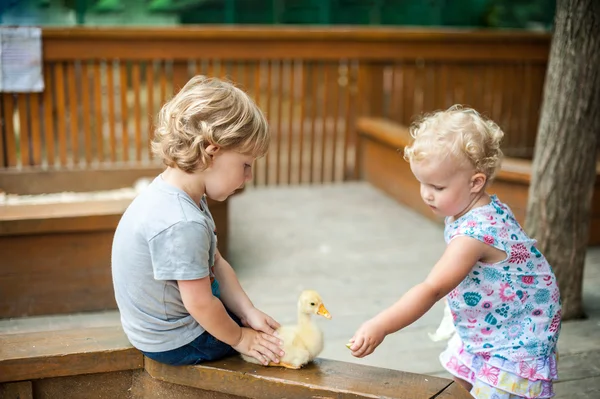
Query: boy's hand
[[259, 321], [366, 339], [263, 347]]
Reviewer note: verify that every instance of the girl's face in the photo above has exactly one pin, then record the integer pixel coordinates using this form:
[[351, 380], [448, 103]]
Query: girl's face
[[446, 186], [228, 172]]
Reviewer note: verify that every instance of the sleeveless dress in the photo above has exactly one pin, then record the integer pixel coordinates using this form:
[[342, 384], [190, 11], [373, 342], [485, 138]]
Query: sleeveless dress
[[507, 314]]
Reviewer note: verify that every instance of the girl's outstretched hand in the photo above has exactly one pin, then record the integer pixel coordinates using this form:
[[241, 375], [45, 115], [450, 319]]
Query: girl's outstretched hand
[[260, 321], [366, 339]]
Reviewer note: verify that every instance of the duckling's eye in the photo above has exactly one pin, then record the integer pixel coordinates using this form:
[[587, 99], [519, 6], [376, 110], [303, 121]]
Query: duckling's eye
[[312, 304]]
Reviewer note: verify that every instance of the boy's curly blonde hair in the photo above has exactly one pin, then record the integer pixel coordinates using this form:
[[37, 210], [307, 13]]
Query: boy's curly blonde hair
[[208, 111], [461, 133]]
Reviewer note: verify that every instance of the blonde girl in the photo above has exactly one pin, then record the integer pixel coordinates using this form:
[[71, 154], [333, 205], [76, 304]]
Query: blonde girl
[[501, 291]]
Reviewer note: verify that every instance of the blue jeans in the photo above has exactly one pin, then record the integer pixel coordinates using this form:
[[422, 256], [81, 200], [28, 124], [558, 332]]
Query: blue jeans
[[203, 349]]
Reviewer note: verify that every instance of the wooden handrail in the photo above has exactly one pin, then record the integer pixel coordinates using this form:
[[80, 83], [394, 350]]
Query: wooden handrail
[[274, 42]]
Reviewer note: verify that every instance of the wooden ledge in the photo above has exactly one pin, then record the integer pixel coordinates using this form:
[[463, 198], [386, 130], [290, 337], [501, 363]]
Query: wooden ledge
[[65, 353], [397, 136], [321, 379], [61, 217]]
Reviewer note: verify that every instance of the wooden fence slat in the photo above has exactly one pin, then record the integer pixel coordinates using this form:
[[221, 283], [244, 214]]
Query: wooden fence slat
[[313, 104], [279, 122], [23, 128], [123, 88], [302, 97], [325, 68], [110, 85], [347, 109], [136, 110], [73, 111], [408, 95], [150, 106], [291, 104], [163, 82], [86, 112], [36, 132], [336, 114], [3, 160], [269, 116], [351, 117], [98, 116], [48, 115], [8, 106]]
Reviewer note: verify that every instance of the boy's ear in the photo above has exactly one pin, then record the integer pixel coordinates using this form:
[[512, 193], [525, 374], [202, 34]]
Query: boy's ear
[[212, 149], [478, 182]]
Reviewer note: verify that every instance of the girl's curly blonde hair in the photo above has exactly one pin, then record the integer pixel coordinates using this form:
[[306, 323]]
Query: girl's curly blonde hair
[[461, 133], [208, 111]]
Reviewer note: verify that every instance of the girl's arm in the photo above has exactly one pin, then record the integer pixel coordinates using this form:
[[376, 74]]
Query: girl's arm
[[235, 299], [455, 264]]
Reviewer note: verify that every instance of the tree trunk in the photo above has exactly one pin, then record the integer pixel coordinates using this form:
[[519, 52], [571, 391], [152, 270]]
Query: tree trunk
[[564, 164]]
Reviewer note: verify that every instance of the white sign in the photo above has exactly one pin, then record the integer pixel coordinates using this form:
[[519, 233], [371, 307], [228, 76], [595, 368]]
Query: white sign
[[21, 59]]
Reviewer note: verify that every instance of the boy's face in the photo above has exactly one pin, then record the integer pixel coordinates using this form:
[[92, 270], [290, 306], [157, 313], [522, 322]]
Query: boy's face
[[445, 186], [228, 172]]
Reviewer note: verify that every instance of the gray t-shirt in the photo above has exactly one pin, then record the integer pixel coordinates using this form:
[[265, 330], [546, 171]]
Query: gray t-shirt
[[162, 237]]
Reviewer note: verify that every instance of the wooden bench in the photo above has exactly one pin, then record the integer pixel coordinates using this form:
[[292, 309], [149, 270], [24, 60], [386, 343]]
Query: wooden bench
[[381, 163], [68, 363], [56, 257]]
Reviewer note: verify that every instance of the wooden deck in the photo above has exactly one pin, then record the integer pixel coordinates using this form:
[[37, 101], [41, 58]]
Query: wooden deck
[[360, 250]]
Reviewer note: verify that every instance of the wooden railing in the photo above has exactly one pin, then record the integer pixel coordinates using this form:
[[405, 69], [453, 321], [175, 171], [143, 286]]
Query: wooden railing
[[104, 86]]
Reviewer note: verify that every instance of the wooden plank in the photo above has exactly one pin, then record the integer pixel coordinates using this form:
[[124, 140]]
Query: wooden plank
[[64, 353], [324, 133], [314, 68], [110, 86], [137, 114], [23, 128], [16, 390], [292, 104], [150, 81], [86, 112], [9, 129], [61, 217], [269, 116], [335, 99], [275, 43], [73, 111], [123, 88], [49, 280], [278, 134], [98, 116], [115, 384], [36, 132], [48, 115], [454, 391], [303, 82], [322, 378]]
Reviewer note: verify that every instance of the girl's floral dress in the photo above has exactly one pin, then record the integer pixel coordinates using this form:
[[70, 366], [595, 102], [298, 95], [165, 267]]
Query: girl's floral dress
[[507, 315]]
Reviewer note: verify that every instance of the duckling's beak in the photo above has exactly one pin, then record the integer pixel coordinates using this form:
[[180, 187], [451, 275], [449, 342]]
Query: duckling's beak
[[322, 311]]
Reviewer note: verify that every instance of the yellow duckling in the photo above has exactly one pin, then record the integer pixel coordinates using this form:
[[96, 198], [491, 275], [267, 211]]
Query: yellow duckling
[[304, 341]]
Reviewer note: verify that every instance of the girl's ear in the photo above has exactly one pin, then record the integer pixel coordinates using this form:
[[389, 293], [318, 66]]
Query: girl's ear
[[212, 149], [478, 182]]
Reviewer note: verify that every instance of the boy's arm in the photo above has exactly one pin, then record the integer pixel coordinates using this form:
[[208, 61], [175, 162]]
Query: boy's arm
[[454, 265], [236, 299], [208, 310], [232, 293]]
